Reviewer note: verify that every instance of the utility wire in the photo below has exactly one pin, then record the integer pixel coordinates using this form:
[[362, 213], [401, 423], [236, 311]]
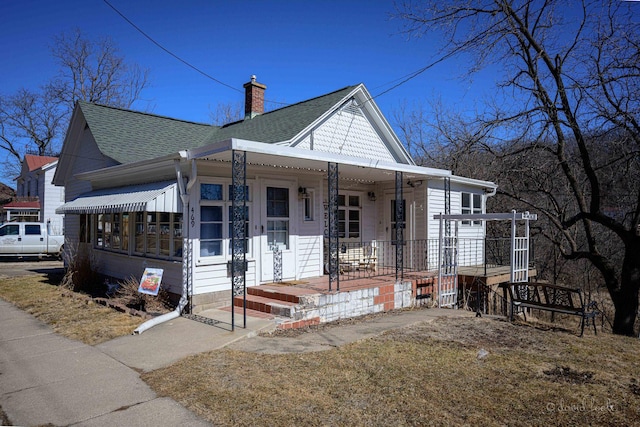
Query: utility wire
[[168, 51], [415, 74], [404, 80]]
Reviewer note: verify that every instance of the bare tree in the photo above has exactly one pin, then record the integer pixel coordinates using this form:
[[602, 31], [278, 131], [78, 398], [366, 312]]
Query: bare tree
[[226, 113], [94, 71], [35, 120], [29, 121], [565, 126]]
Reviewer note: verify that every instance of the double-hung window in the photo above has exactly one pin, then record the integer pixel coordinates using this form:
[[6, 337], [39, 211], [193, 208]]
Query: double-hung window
[[348, 216], [216, 219], [211, 220], [471, 204]]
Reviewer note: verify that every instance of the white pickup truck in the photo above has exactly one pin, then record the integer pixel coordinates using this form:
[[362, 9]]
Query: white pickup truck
[[29, 239]]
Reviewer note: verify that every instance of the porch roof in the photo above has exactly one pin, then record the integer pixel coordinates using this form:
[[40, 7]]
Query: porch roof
[[281, 157], [23, 204], [151, 197], [354, 168]]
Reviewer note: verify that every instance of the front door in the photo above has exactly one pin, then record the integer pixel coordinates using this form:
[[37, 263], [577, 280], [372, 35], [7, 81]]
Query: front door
[[391, 221], [277, 239], [412, 255]]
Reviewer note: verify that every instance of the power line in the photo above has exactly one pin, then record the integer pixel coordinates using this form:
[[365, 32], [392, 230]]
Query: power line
[[168, 51], [414, 74], [404, 79]]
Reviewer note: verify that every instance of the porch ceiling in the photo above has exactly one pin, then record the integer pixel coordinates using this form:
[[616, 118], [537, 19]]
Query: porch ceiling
[[296, 159]]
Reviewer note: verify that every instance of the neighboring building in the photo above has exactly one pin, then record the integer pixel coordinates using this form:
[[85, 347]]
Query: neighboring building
[[36, 197], [7, 194], [138, 184]]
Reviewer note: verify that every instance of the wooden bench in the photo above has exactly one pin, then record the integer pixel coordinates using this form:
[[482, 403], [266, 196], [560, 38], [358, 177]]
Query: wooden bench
[[554, 298]]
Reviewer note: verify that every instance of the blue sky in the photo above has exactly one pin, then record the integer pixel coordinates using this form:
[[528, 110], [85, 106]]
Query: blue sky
[[299, 49]]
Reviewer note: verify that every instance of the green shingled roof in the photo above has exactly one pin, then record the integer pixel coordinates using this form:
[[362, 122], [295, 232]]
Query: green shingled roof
[[129, 136], [282, 124]]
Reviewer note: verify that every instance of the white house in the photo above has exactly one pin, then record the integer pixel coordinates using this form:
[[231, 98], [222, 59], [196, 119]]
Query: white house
[[319, 176], [36, 197]]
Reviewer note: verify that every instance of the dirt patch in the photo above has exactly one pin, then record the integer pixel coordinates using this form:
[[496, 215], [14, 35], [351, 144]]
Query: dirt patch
[[491, 333], [567, 375]]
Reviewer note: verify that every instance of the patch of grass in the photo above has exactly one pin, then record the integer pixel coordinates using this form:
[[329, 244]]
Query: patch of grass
[[419, 375], [74, 318]]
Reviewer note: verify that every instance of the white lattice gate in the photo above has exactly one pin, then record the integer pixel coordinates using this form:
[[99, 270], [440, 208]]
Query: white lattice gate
[[448, 267]]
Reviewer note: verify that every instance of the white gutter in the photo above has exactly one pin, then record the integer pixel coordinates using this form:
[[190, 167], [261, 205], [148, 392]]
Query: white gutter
[[184, 298]]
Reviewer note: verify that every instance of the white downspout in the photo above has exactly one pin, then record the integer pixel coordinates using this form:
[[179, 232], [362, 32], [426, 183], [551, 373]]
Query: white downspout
[[186, 251]]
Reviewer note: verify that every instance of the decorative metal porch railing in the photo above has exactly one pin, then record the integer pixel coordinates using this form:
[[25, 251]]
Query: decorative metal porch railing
[[378, 258]]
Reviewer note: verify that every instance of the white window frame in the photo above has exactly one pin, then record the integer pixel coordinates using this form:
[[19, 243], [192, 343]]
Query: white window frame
[[308, 206], [474, 199], [226, 205], [346, 208]]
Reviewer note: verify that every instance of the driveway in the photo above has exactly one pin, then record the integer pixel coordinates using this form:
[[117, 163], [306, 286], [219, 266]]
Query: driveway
[[14, 267]]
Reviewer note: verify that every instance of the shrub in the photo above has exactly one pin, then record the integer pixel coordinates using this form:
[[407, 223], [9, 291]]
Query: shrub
[[81, 274], [127, 291]]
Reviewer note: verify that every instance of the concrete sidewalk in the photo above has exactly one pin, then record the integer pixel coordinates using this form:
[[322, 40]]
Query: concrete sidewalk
[[46, 378]]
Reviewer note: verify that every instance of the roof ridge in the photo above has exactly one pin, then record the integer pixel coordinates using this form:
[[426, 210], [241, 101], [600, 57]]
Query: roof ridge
[[306, 101], [128, 110], [311, 99], [35, 161]]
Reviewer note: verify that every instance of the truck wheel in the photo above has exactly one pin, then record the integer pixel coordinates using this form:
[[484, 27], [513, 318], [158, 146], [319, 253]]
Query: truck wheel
[[61, 253]]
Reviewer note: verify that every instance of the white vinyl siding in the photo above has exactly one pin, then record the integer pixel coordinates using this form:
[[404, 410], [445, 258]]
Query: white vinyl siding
[[348, 132]]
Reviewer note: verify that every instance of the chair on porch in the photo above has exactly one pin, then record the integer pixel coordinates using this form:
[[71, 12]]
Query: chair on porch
[[369, 259], [356, 258], [361, 258]]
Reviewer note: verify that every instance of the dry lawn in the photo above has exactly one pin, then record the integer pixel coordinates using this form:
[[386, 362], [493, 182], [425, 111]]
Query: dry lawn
[[74, 318], [426, 374]]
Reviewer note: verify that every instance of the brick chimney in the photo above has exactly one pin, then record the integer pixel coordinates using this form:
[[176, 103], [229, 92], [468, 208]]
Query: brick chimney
[[253, 98]]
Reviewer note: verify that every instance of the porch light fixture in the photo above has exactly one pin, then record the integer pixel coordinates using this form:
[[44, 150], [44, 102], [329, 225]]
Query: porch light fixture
[[414, 184], [372, 196], [302, 193]]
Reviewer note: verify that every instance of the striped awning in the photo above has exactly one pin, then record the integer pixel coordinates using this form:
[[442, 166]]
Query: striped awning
[[152, 197]]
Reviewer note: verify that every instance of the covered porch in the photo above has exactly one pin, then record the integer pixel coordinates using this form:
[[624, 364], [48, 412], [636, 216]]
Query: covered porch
[[311, 302], [358, 220]]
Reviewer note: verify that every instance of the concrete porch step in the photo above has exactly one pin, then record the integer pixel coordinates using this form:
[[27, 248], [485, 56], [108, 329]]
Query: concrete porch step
[[263, 304]]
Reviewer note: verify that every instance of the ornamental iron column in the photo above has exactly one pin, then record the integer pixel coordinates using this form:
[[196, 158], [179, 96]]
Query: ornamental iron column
[[400, 224], [332, 180], [239, 233], [277, 263]]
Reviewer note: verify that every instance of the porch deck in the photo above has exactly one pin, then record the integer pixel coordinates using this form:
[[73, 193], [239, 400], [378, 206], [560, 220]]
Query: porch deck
[[489, 276], [310, 302]]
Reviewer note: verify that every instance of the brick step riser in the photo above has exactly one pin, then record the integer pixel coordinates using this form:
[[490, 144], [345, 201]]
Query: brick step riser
[[280, 296], [276, 309]]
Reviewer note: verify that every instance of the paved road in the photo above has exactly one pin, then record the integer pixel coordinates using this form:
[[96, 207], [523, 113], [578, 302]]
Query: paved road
[[13, 267]]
